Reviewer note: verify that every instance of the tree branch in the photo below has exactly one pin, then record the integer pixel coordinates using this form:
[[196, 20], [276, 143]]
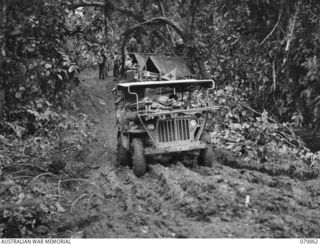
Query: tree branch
[[292, 26], [279, 17], [128, 12], [85, 3], [157, 20]]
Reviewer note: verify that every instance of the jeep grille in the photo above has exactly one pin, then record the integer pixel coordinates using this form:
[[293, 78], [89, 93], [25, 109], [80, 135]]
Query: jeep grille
[[176, 129]]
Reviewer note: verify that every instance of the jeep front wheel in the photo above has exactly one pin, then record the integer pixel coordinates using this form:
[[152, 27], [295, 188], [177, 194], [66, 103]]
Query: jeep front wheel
[[139, 161], [207, 155], [123, 155]]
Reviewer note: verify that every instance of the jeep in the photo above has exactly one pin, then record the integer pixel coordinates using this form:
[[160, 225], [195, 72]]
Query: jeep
[[163, 118]]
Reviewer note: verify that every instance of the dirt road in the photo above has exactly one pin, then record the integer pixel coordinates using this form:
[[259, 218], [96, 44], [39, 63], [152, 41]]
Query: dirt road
[[278, 198]]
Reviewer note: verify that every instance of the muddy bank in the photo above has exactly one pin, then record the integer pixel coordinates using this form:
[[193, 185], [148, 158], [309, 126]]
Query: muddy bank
[[277, 198]]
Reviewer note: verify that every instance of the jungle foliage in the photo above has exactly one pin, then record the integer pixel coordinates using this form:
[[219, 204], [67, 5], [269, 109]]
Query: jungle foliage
[[263, 55], [269, 49]]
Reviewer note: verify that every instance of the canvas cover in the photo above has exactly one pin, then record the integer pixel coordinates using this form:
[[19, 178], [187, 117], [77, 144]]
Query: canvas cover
[[166, 65], [141, 59]]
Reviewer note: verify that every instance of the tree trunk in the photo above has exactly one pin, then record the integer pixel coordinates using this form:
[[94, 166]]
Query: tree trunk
[[3, 22], [107, 16], [123, 52], [164, 15]]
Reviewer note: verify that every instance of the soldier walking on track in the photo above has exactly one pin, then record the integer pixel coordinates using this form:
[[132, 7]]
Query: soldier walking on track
[[102, 64]]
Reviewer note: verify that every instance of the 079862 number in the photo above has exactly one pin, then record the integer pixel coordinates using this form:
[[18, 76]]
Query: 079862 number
[[309, 241]]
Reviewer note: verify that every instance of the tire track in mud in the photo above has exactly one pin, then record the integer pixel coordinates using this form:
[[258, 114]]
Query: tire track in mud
[[235, 199], [275, 210], [281, 166], [180, 202]]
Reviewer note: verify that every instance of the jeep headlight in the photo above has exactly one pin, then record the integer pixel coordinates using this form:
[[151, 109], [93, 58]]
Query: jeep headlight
[[193, 124], [151, 126]]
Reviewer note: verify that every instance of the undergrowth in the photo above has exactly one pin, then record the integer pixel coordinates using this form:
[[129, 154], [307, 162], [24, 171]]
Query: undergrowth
[[42, 176], [253, 135]]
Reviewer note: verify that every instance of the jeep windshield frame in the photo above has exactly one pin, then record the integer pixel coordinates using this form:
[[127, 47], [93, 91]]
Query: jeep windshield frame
[[171, 83]]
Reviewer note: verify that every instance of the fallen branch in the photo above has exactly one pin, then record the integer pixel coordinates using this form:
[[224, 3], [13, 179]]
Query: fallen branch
[[25, 165], [20, 171], [75, 201], [22, 176], [286, 126], [253, 110], [59, 196], [84, 180], [45, 174], [284, 138]]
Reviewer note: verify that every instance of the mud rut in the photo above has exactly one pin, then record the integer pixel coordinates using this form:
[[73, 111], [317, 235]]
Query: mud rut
[[235, 199]]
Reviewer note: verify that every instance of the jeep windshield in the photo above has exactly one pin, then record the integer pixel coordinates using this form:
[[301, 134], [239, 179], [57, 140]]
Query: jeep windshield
[[165, 96]]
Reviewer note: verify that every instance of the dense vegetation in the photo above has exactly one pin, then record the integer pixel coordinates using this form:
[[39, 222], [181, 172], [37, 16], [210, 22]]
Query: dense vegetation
[[264, 56], [268, 49]]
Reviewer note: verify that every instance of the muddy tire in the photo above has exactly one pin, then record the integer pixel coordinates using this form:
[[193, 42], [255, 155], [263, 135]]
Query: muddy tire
[[138, 159], [123, 155], [207, 158]]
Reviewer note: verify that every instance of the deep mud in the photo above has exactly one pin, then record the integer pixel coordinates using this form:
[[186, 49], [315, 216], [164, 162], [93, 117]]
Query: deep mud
[[277, 198]]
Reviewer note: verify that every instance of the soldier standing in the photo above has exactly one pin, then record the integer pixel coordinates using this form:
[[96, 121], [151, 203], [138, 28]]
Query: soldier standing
[[102, 64]]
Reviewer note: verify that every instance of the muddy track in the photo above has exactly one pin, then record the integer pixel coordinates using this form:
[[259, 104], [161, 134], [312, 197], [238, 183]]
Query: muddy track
[[279, 198]]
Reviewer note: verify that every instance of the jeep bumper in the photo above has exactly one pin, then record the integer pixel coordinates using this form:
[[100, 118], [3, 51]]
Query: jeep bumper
[[175, 147]]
